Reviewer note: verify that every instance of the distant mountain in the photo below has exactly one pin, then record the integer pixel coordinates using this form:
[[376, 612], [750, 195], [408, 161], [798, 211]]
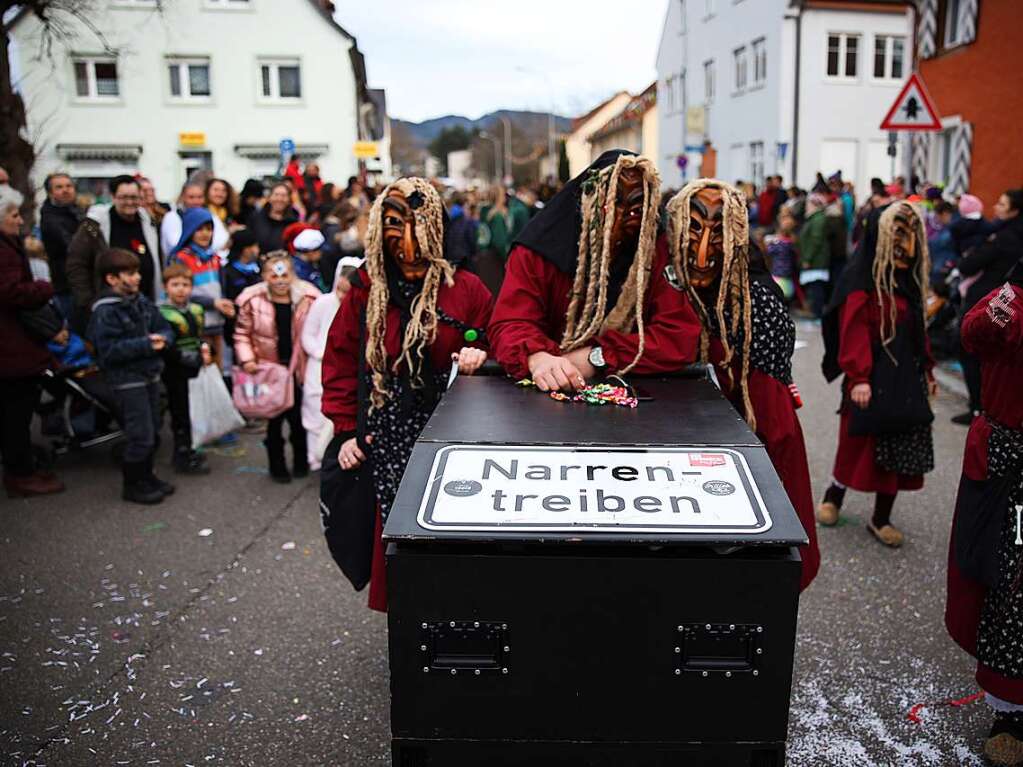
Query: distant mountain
[[529, 123]]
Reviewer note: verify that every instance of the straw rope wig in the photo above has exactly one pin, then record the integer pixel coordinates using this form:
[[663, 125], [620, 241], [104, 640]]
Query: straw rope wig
[[733, 302], [885, 271], [421, 330], [587, 315]]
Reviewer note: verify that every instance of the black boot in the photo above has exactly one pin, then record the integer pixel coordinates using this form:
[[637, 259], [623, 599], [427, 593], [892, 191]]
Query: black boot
[[136, 488], [300, 453], [166, 488], [275, 457], [188, 461]]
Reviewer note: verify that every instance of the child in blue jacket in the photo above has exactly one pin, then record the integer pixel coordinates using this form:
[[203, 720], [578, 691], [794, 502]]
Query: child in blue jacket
[[129, 335]]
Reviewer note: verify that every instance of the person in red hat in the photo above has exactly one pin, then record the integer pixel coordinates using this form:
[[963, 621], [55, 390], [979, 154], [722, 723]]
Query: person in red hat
[[303, 242]]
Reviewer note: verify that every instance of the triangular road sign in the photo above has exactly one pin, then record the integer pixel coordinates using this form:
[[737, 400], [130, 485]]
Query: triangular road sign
[[913, 108]]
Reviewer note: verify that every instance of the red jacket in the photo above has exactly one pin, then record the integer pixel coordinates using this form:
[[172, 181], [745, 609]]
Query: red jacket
[[779, 429], [530, 317], [1000, 351], [855, 466], [20, 354], [468, 301]]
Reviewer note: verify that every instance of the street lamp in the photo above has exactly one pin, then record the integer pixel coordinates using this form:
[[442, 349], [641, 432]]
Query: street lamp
[[497, 170]]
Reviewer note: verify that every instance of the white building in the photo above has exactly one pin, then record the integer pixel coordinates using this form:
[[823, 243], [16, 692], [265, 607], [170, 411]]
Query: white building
[[203, 84], [788, 87]]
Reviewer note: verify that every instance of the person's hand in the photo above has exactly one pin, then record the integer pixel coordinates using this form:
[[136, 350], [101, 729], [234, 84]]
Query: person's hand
[[350, 456], [581, 359], [551, 373], [62, 337], [250, 367], [158, 342], [225, 306], [207, 357], [932, 387], [469, 360], [860, 395]]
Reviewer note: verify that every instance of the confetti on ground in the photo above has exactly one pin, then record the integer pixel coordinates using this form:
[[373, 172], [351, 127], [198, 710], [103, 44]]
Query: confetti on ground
[[229, 452], [914, 713], [205, 532], [251, 470], [154, 527], [288, 546]]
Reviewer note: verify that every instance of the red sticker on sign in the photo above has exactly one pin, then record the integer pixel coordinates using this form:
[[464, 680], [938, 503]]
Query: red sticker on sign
[[706, 459]]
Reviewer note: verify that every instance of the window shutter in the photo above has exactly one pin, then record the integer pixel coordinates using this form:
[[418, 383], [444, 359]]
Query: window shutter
[[968, 21], [921, 148], [927, 28], [962, 158]]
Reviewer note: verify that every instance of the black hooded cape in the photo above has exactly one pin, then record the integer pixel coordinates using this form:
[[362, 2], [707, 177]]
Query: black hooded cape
[[859, 275], [553, 233]]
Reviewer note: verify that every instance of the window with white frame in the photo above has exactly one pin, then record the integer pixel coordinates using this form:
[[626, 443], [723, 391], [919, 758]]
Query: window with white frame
[[280, 80], [189, 79], [708, 81], [889, 57], [741, 68], [759, 61], [843, 55], [953, 23], [96, 78], [673, 93], [756, 163]]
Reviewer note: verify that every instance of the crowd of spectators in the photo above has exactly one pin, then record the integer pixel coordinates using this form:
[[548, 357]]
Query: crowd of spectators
[[138, 292]]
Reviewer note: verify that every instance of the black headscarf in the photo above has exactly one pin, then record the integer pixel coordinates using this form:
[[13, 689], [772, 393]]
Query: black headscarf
[[553, 233], [859, 275], [402, 293]]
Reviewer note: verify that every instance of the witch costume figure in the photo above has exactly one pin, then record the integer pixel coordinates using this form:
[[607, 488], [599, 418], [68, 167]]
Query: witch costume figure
[[408, 318], [585, 292], [875, 334], [984, 612], [747, 333]]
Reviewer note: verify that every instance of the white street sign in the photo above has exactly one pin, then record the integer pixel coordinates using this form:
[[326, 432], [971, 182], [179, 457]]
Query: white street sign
[[552, 489]]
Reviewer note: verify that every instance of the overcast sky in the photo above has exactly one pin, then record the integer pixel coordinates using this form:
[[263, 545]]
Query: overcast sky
[[469, 57]]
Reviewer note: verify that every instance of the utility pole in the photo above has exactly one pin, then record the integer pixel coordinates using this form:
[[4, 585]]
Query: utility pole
[[507, 146], [550, 142], [498, 170]]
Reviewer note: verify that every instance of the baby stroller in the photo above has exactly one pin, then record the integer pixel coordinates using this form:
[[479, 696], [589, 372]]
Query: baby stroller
[[78, 411]]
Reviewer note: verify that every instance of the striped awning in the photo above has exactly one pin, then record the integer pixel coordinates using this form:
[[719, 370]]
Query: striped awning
[[119, 152], [272, 151]]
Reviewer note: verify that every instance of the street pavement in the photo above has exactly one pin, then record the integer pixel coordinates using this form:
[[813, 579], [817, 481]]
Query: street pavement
[[214, 629]]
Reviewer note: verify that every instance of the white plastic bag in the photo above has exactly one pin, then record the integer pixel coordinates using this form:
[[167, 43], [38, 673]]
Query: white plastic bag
[[210, 407]]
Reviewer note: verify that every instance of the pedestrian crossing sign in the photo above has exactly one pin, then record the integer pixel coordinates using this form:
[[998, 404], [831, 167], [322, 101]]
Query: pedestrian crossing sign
[[913, 109]]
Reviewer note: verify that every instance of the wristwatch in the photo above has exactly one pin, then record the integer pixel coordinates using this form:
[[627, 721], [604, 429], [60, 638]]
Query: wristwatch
[[597, 358]]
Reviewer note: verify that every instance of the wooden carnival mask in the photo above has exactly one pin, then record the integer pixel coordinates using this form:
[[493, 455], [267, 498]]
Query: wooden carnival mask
[[628, 212], [399, 234], [904, 241], [705, 253]]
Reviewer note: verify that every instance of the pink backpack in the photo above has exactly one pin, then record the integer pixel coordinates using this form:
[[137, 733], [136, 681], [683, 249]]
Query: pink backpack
[[266, 393]]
